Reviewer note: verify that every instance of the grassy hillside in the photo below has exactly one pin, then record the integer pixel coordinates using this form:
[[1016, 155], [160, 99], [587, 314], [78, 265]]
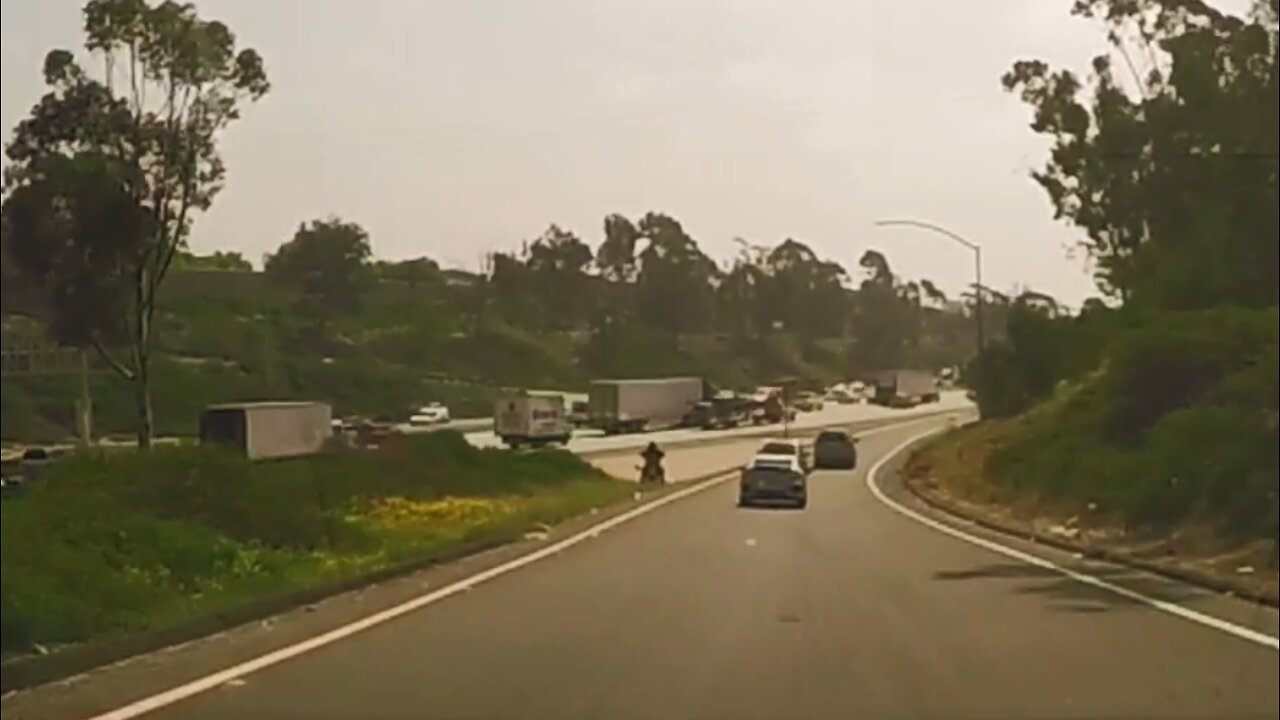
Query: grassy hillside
[[1181, 420], [1175, 429], [116, 542]]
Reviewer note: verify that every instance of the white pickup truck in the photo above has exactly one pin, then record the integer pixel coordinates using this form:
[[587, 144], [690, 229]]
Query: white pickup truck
[[779, 471]]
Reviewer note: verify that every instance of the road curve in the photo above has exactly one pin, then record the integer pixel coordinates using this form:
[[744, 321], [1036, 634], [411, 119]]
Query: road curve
[[845, 610]]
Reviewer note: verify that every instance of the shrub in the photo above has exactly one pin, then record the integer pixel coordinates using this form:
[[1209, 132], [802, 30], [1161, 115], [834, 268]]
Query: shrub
[[1174, 359], [1181, 422], [1219, 459], [1012, 374]]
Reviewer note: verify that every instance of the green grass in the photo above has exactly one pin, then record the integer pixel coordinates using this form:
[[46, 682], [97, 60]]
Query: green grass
[[1180, 423], [106, 544]]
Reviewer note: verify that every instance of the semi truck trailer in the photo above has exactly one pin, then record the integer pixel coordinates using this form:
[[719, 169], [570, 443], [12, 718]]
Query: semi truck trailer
[[626, 406]]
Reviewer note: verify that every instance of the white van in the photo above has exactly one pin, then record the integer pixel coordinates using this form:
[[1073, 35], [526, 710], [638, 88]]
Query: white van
[[529, 418]]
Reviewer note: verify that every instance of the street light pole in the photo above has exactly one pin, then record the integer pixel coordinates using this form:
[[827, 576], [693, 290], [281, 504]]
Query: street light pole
[[977, 267], [978, 299]]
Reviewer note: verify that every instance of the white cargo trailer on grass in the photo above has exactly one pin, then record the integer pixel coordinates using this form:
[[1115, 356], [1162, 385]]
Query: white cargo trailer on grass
[[619, 406], [265, 430], [531, 418]]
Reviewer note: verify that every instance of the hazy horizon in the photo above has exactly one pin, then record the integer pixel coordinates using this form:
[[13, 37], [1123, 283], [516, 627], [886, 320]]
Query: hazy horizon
[[452, 130]]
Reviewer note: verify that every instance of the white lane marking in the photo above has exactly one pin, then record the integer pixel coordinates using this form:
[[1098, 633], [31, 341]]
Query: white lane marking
[[235, 672], [1162, 605]]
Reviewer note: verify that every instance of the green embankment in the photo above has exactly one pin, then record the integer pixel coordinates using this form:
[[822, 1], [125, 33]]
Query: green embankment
[[111, 543], [1176, 427]]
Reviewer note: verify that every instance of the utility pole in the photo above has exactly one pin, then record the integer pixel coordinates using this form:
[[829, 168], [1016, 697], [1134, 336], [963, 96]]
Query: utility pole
[[979, 300]]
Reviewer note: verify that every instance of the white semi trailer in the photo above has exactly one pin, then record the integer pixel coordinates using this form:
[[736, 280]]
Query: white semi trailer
[[622, 406], [267, 430]]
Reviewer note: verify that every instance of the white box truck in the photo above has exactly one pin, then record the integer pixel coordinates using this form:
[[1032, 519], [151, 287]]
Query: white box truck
[[622, 406], [266, 430], [905, 388], [531, 418]]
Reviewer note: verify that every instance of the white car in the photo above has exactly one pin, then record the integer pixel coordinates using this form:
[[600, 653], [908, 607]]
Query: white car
[[842, 394], [779, 449], [431, 414]]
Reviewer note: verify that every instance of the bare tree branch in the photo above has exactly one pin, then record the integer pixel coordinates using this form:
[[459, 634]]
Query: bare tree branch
[[106, 355]]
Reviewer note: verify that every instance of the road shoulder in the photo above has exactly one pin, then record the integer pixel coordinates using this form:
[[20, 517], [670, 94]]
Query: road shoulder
[[1159, 589], [952, 474]]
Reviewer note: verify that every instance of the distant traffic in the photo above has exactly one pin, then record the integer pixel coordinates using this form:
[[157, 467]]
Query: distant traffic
[[540, 418]]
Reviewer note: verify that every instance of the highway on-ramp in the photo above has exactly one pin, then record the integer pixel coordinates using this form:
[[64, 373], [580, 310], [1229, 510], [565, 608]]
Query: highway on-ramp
[[852, 608]]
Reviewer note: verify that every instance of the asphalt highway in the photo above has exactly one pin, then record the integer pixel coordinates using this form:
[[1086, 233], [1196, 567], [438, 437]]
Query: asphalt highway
[[849, 609]]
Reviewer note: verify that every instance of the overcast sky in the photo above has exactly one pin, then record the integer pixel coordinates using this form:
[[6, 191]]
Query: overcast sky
[[451, 129]]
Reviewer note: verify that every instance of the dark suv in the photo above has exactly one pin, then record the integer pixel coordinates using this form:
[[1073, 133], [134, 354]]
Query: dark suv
[[835, 450]]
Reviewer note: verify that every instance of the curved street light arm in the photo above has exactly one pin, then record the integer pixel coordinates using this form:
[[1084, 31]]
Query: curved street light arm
[[977, 266], [935, 228]]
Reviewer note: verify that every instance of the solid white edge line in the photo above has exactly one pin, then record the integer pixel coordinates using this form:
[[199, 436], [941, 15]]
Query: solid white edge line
[[195, 687], [1210, 621]]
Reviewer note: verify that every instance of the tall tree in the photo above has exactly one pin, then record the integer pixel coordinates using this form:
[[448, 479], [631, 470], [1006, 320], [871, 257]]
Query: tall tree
[[8, 269], [913, 314], [617, 255], [740, 302], [327, 262], [557, 263], [877, 322], [1017, 370], [106, 173], [933, 294], [512, 285], [803, 292], [737, 296], [876, 267], [675, 281], [1168, 161]]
